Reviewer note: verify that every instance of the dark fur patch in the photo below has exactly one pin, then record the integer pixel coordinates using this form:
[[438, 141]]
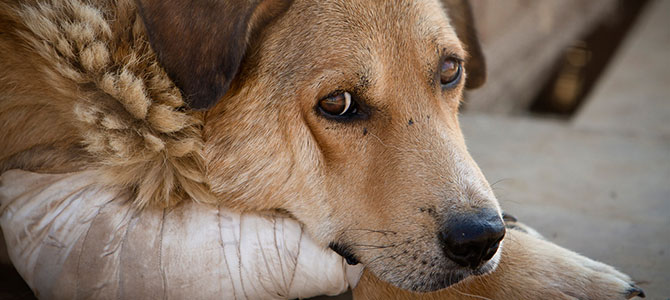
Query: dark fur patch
[[200, 44], [344, 251]]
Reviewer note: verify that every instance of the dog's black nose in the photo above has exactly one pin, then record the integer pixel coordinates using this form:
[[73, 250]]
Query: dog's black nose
[[473, 238]]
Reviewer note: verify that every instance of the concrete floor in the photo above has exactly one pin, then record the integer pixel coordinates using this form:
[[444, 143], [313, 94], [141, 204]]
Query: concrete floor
[[600, 183]]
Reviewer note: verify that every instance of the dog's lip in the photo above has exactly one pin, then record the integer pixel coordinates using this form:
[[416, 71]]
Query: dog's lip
[[455, 276], [344, 251], [449, 279]]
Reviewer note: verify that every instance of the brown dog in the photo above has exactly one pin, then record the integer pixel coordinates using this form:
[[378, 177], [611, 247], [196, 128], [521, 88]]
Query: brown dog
[[342, 113]]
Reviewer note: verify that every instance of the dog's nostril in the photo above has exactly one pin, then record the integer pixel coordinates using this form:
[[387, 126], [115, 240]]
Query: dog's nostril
[[471, 239]]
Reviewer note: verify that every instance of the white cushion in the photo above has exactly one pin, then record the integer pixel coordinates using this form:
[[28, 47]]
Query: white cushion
[[69, 238]]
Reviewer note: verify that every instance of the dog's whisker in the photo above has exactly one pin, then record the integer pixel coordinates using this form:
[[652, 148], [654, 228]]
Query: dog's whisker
[[372, 230], [358, 233], [363, 232], [370, 247], [499, 181], [471, 295], [380, 246], [375, 259]]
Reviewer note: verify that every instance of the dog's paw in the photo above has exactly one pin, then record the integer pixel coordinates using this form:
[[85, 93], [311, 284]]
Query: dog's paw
[[560, 272], [600, 281], [530, 268]]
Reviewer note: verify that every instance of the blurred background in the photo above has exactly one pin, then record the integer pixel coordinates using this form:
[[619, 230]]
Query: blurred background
[[572, 128]]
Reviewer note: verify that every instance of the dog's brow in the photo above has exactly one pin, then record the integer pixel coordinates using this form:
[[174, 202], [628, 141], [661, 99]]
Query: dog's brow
[[448, 50], [363, 83]]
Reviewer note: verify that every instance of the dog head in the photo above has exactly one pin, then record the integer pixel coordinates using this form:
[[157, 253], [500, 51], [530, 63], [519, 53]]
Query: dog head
[[343, 113]]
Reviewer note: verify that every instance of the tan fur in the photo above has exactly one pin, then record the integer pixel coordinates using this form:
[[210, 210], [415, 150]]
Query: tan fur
[[519, 277], [80, 88], [266, 147], [85, 77]]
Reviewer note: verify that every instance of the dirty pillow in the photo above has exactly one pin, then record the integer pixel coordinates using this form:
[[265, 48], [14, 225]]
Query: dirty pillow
[[69, 238]]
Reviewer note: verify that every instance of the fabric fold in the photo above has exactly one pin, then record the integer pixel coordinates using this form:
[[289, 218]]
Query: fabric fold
[[70, 239]]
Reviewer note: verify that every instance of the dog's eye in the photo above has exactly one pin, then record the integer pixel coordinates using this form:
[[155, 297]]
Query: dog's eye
[[450, 72], [338, 105]]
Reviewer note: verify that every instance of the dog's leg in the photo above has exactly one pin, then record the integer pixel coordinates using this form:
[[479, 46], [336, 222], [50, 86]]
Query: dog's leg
[[530, 268]]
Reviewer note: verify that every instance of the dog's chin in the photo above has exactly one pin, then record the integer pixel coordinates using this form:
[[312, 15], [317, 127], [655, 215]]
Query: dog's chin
[[451, 277]]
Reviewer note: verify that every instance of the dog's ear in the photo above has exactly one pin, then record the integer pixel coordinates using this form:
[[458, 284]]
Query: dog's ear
[[460, 16], [201, 43]]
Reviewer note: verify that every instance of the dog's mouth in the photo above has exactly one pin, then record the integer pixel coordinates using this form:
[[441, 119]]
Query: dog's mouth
[[442, 279], [345, 252], [443, 275], [465, 244], [453, 277]]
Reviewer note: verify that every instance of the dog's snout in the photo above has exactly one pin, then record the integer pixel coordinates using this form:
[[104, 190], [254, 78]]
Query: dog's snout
[[473, 238]]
